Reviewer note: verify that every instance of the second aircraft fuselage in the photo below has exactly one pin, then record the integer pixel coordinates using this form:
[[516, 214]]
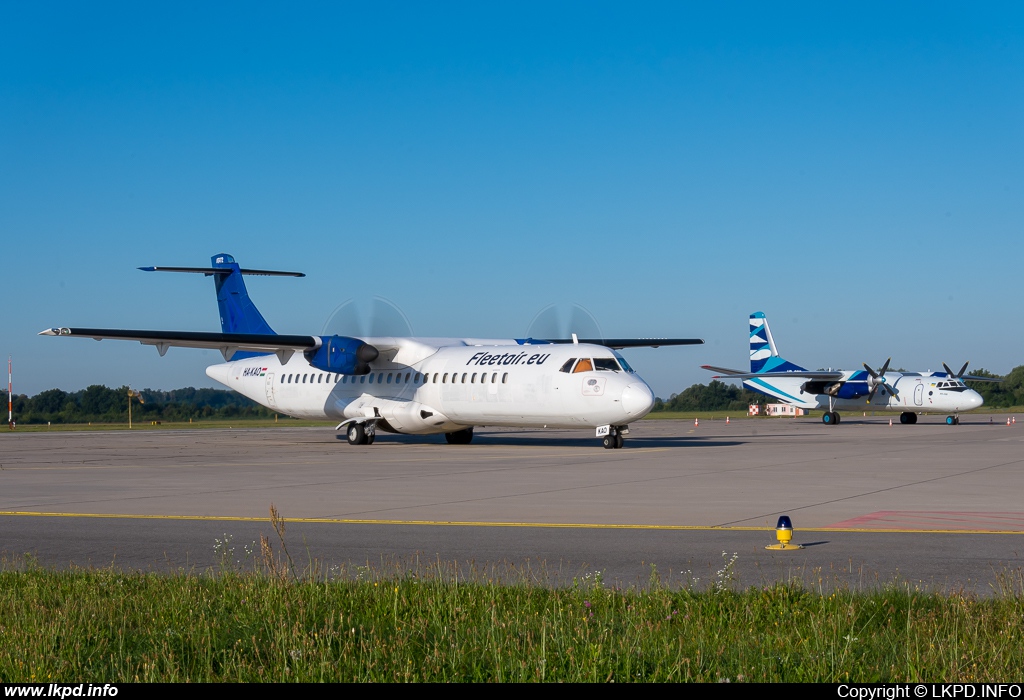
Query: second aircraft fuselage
[[916, 392]]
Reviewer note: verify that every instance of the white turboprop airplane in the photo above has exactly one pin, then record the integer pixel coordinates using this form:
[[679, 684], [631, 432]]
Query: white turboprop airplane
[[417, 386], [909, 393]]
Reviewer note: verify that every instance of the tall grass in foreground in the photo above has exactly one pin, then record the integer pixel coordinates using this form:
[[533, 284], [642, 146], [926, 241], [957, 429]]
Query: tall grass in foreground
[[106, 625]]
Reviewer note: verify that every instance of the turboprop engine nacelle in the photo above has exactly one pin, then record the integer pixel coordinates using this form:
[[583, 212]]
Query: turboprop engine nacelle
[[342, 355]]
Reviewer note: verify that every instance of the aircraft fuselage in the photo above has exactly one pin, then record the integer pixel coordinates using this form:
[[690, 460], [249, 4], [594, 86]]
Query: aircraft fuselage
[[451, 387]]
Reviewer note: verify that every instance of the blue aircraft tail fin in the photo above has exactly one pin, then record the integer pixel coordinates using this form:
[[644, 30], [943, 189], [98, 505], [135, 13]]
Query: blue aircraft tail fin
[[764, 356], [237, 312]]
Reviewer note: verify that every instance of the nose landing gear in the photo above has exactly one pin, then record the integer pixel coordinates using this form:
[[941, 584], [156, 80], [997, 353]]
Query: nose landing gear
[[612, 439]]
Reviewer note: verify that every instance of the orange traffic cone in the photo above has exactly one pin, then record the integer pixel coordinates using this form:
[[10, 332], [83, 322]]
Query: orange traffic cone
[[727, 420], [890, 422], [1007, 421], [1015, 420], [696, 422]]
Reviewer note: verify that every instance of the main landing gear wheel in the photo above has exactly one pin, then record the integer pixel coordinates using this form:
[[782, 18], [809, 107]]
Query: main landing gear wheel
[[908, 418], [952, 420], [357, 434], [830, 417], [460, 437]]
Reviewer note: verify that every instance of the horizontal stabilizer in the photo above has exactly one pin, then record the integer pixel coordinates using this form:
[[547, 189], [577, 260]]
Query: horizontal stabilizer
[[223, 271]]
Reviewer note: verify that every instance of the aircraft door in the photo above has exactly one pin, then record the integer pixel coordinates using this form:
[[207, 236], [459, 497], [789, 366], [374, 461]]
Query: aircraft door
[[919, 394], [270, 390]]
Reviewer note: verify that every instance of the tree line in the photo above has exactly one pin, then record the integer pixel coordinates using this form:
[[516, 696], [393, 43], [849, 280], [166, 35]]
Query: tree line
[[719, 396], [101, 404], [1009, 392]]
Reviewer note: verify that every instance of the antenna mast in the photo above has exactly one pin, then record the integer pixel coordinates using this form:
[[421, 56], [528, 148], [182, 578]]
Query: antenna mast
[[10, 396]]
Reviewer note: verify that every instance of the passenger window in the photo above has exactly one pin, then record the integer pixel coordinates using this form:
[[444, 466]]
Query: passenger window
[[472, 380], [380, 377], [494, 378], [371, 379], [483, 378], [282, 379], [407, 377], [336, 378], [304, 378], [389, 377], [435, 377], [464, 377], [417, 378], [504, 378], [444, 380], [567, 367], [362, 380]]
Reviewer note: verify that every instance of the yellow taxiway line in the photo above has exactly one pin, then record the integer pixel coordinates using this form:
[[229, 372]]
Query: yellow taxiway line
[[457, 523]]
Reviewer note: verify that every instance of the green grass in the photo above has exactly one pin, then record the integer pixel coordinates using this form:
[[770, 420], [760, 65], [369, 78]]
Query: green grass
[[218, 423], [438, 624], [701, 415], [814, 415]]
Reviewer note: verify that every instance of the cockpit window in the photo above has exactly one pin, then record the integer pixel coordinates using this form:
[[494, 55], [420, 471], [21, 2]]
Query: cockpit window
[[567, 367], [606, 364], [584, 365], [623, 363]]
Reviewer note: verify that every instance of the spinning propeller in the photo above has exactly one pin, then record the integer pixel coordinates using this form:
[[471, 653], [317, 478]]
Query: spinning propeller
[[877, 379], [376, 317], [562, 320]]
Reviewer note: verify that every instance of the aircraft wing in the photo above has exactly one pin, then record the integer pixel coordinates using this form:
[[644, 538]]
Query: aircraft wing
[[725, 373], [228, 343], [971, 378], [619, 343]]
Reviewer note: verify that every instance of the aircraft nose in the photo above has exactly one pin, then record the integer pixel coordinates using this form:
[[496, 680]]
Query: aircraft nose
[[637, 400], [974, 400]]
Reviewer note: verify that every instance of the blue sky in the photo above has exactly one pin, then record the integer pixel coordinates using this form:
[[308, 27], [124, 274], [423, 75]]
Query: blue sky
[[854, 171]]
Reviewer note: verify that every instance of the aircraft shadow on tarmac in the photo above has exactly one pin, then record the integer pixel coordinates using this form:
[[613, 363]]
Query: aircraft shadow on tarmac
[[539, 440]]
